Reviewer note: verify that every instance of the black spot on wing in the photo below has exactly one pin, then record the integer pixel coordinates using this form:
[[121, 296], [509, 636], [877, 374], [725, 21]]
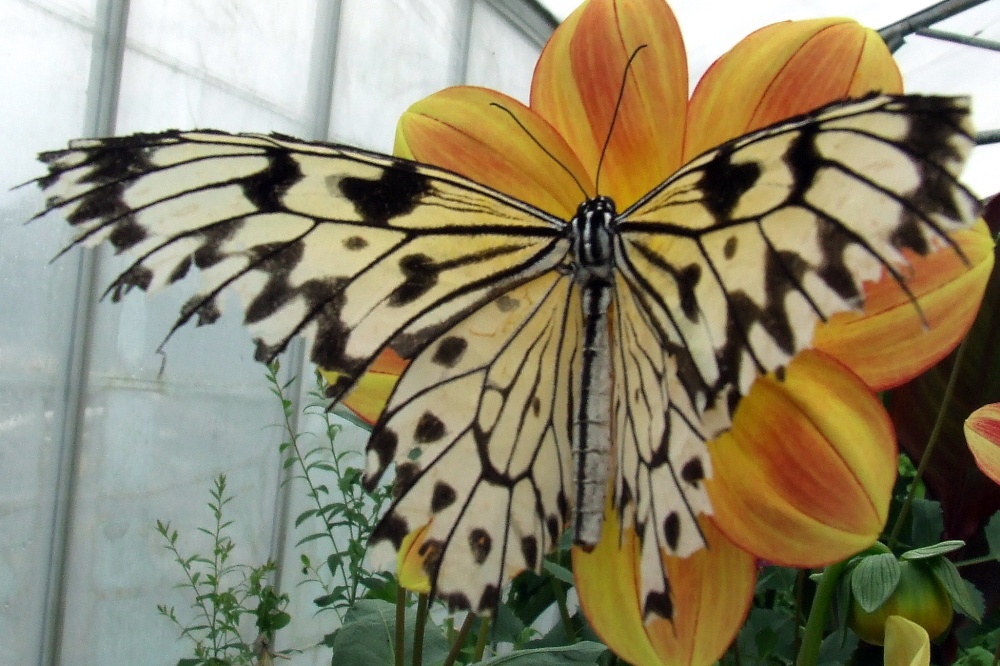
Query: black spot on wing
[[420, 274], [396, 192], [724, 183], [355, 243], [266, 188], [529, 549], [442, 497], [693, 472], [672, 530], [489, 599], [729, 249], [449, 351], [406, 476], [429, 429], [480, 543], [383, 444], [658, 603], [391, 528]]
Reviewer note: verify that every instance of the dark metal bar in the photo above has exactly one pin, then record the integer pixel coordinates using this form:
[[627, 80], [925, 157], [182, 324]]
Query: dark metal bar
[[895, 34], [966, 40]]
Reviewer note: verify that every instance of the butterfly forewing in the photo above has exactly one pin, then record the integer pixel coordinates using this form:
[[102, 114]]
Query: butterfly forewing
[[748, 247], [352, 248]]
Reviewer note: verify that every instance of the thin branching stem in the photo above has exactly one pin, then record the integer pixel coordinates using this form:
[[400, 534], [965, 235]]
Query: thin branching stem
[[456, 647], [949, 391]]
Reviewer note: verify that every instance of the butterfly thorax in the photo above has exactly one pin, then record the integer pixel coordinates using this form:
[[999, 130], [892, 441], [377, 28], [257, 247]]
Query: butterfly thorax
[[593, 261], [591, 230]]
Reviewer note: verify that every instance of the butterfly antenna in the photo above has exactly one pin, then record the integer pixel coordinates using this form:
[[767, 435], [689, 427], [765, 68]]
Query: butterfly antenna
[[614, 117], [540, 145]]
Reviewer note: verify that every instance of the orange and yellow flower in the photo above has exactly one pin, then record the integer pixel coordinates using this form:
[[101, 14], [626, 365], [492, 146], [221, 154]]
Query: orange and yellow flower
[[804, 476], [982, 432]]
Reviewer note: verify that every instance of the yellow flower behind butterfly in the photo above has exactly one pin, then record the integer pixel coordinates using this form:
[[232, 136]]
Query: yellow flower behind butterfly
[[804, 476]]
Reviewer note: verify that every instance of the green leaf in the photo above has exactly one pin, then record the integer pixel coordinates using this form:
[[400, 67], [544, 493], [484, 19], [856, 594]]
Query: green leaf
[[958, 589], [585, 652], [558, 572], [368, 636], [928, 552], [874, 579], [993, 534]]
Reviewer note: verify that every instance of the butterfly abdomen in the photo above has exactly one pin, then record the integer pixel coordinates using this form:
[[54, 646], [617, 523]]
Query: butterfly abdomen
[[593, 265]]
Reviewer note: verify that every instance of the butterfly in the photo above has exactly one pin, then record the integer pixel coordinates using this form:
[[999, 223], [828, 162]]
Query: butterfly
[[551, 361]]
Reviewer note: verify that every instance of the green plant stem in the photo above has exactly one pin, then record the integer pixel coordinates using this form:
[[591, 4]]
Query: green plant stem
[[456, 647], [293, 439], [484, 634], [813, 635], [949, 391], [996, 654], [400, 625], [560, 595], [418, 630]]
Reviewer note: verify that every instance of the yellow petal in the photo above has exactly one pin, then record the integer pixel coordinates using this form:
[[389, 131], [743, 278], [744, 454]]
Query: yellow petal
[[461, 129], [577, 82], [711, 591], [805, 476], [982, 432], [783, 70], [906, 643], [410, 563], [888, 343]]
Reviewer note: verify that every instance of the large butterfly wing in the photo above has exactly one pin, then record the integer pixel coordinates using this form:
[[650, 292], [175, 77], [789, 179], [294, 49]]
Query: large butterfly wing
[[355, 250], [726, 268], [479, 429]]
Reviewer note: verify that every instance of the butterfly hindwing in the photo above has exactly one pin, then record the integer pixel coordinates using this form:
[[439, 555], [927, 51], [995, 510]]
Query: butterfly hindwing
[[479, 429], [350, 248]]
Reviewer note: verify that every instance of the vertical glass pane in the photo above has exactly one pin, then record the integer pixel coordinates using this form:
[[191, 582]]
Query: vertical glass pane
[[500, 57], [389, 55], [40, 111]]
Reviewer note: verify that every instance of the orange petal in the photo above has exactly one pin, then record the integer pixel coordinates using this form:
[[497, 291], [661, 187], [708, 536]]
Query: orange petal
[[887, 343], [711, 590], [460, 129], [783, 70], [906, 643], [982, 432], [577, 82], [805, 476], [371, 394]]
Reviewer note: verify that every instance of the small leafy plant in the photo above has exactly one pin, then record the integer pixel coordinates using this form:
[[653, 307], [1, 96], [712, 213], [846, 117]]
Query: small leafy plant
[[223, 594]]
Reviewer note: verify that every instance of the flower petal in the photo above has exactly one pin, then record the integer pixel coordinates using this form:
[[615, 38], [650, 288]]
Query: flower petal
[[371, 394], [906, 643], [460, 129], [982, 432], [888, 343], [711, 590], [805, 476], [783, 70], [577, 83]]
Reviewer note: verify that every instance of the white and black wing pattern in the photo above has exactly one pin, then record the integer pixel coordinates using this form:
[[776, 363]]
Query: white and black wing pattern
[[349, 248], [725, 269], [488, 406]]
